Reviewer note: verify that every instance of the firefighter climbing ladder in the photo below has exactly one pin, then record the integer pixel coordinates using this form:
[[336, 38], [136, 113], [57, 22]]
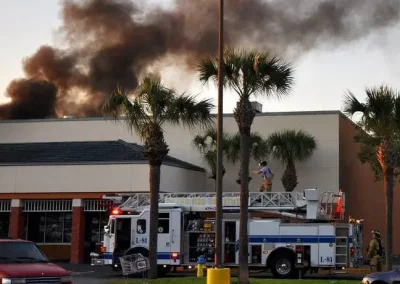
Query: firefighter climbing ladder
[[264, 201]]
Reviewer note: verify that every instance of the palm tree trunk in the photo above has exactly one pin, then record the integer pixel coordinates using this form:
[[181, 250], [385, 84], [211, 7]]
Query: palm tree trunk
[[239, 179], [244, 115], [244, 212], [388, 182], [289, 177], [155, 175]]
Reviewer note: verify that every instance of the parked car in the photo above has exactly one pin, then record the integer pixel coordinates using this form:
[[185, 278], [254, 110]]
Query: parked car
[[22, 262], [389, 277]]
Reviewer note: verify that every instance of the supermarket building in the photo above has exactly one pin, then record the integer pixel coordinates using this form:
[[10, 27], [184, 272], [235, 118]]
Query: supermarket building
[[53, 173]]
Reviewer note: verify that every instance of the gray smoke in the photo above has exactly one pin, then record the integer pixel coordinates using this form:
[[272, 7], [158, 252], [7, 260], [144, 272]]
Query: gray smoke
[[111, 42]]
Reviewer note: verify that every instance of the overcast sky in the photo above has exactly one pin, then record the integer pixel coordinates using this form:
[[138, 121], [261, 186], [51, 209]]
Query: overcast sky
[[322, 76]]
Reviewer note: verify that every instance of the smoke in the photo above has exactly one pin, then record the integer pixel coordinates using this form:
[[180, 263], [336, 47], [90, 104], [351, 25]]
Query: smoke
[[112, 42], [30, 99]]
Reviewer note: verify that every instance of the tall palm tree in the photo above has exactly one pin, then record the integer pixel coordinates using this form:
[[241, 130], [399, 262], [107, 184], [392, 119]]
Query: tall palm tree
[[247, 73], [289, 146], [258, 150], [152, 106], [206, 144], [379, 132]]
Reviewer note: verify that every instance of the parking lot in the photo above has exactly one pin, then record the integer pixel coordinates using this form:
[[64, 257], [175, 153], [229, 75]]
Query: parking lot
[[83, 274]]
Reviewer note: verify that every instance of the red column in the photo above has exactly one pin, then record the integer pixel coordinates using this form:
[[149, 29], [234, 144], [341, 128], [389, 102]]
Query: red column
[[16, 229], [78, 232]]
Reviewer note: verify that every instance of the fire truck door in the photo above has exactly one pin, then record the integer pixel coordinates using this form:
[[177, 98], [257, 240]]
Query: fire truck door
[[123, 231], [176, 233], [164, 238]]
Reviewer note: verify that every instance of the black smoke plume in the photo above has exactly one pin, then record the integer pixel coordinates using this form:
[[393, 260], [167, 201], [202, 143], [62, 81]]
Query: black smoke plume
[[110, 42]]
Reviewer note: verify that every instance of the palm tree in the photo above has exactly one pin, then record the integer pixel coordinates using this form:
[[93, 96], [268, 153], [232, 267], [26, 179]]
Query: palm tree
[[152, 106], [206, 144], [247, 73], [289, 146], [378, 135], [258, 150]]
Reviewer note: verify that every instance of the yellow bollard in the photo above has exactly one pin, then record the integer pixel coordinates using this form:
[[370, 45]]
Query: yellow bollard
[[218, 276]]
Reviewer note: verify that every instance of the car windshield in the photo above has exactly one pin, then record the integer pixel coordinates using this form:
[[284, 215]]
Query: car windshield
[[21, 252]]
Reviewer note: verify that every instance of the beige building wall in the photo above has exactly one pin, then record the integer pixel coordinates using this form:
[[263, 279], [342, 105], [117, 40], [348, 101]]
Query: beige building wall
[[321, 171], [95, 178]]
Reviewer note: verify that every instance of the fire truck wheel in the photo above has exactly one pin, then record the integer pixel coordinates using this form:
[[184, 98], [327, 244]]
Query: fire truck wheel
[[283, 266]]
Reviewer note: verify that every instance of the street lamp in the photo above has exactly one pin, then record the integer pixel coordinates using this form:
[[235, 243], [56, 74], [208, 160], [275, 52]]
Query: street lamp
[[219, 212]]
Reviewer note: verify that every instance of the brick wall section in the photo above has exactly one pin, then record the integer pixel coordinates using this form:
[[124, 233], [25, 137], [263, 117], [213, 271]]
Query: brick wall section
[[78, 235], [365, 198], [16, 229]]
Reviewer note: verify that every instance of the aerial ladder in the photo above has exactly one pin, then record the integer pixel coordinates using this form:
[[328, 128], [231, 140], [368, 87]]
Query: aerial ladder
[[312, 204]]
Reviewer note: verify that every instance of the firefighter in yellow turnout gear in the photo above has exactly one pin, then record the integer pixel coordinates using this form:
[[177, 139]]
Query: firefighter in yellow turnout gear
[[375, 251], [267, 176]]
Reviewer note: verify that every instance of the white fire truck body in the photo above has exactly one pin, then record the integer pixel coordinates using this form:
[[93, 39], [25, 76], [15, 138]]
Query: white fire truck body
[[186, 230]]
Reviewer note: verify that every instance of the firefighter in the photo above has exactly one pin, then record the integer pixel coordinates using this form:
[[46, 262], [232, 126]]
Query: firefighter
[[375, 251], [267, 177]]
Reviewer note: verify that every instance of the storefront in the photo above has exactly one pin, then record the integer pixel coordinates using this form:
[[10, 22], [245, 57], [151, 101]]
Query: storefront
[[96, 218], [49, 224], [66, 230]]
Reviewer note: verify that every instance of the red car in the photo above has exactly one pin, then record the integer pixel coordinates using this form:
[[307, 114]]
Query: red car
[[22, 262]]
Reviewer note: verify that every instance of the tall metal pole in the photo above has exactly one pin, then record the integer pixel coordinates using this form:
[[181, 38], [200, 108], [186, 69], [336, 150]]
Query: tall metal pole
[[218, 217]]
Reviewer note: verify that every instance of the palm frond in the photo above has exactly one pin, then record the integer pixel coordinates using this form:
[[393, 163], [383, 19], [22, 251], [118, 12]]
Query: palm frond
[[189, 112], [210, 158], [276, 77], [352, 105], [118, 105], [250, 73], [208, 69], [259, 147], [154, 97], [291, 145], [206, 144]]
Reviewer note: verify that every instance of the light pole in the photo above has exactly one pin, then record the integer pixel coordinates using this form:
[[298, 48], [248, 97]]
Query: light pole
[[219, 212]]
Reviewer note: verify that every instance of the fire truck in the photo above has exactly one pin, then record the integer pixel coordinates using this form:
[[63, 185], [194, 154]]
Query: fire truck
[[310, 233]]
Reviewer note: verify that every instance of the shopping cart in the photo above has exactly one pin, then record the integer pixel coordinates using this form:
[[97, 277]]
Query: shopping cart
[[135, 264]]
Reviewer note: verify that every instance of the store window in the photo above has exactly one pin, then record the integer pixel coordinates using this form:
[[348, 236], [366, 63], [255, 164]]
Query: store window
[[95, 222], [48, 227], [4, 224]]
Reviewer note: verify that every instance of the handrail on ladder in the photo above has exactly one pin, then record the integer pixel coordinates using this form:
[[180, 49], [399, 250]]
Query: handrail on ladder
[[284, 201]]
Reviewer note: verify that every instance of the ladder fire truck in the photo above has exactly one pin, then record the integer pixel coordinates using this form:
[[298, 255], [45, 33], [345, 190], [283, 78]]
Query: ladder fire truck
[[310, 234]]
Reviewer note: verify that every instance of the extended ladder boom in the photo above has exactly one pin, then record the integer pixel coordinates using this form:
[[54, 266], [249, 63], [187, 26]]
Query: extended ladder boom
[[309, 203], [202, 201]]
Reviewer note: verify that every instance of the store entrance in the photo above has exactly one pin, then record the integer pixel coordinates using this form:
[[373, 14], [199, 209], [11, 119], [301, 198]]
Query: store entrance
[[94, 232]]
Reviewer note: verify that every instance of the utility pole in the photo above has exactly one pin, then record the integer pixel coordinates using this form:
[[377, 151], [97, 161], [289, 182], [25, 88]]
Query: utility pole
[[219, 212]]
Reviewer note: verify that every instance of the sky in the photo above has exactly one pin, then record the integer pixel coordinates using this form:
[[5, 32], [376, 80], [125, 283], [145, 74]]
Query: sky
[[322, 76]]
